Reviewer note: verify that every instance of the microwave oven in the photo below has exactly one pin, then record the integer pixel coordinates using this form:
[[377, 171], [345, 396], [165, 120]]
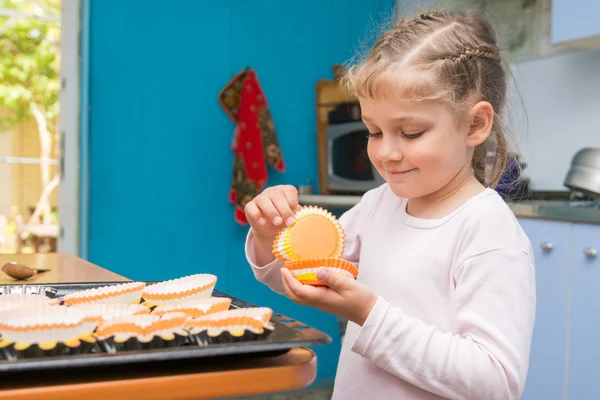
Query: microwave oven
[[348, 168]]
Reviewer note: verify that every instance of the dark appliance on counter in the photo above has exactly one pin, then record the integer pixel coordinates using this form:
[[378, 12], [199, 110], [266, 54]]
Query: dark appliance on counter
[[348, 168]]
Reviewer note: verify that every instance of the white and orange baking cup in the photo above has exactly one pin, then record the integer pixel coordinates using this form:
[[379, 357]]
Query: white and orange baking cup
[[171, 323], [44, 324], [143, 331], [175, 291], [125, 327], [316, 233], [253, 319], [306, 270], [104, 312], [23, 301], [195, 308], [124, 293]]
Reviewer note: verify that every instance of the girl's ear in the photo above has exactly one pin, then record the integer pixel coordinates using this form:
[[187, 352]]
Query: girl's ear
[[481, 119]]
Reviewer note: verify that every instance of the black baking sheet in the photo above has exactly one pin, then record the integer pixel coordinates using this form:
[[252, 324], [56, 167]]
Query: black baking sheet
[[288, 333]]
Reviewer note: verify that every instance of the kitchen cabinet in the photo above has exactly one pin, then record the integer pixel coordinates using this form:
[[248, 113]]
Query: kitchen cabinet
[[576, 23], [565, 346], [584, 346], [551, 245]]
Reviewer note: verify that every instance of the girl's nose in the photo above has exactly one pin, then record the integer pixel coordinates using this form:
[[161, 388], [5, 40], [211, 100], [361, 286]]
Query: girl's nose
[[389, 149]]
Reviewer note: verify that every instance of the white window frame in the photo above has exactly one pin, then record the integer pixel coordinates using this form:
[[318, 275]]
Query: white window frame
[[69, 122]]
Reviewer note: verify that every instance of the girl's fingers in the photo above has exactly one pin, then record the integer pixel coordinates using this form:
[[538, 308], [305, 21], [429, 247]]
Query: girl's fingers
[[285, 274], [283, 207], [273, 208], [268, 209], [254, 215], [305, 294], [291, 195]]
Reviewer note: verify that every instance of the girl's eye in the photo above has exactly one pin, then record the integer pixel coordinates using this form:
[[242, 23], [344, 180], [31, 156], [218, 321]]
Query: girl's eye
[[374, 134], [412, 135]]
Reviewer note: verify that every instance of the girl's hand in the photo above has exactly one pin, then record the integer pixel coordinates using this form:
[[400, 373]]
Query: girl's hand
[[269, 211], [344, 297]]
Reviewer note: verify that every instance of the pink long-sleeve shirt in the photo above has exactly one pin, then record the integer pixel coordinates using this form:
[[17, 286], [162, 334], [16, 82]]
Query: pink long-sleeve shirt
[[456, 301]]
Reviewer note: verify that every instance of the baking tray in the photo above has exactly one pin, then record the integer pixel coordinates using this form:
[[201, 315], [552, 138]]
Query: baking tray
[[288, 333]]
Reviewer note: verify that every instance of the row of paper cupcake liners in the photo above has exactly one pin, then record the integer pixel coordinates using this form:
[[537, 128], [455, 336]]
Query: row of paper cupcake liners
[[120, 318], [167, 292], [217, 328], [305, 269]]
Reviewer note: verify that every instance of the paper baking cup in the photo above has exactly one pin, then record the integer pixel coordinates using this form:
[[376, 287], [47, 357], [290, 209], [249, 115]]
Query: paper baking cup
[[43, 324], [235, 325], [133, 325], [175, 291], [196, 308], [23, 301], [125, 293], [15, 351], [104, 312], [232, 325], [252, 317], [306, 270], [141, 332], [142, 325], [315, 234], [172, 322]]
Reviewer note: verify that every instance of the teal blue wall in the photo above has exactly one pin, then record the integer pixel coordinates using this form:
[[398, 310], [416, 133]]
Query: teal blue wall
[[159, 145]]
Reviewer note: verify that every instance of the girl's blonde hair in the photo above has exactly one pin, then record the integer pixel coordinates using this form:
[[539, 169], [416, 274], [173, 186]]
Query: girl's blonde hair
[[445, 56]]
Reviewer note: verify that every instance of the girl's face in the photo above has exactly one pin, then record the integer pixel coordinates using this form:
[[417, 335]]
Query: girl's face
[[419, 148]]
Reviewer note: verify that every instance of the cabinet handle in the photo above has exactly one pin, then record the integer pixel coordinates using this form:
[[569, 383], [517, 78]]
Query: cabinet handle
[[546, 246], [590, 252]]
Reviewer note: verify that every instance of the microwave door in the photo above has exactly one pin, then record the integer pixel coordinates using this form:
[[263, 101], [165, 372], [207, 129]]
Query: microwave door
[[348, 166]]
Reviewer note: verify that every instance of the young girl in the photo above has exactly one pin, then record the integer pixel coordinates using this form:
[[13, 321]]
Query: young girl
[[444, 304]]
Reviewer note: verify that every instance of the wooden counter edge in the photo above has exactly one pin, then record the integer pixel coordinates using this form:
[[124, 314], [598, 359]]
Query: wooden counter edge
[[293, 370]]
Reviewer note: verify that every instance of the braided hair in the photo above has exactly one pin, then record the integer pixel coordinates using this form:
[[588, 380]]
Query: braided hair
[[445, 56]]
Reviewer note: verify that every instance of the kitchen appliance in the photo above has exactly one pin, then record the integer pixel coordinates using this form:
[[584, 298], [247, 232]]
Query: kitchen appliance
[[584, 173], [348, 168]]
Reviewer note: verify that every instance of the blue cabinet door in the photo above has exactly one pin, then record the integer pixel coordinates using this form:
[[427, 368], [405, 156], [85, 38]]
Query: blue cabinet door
[[584, 337], [551, 243], [574, 19]]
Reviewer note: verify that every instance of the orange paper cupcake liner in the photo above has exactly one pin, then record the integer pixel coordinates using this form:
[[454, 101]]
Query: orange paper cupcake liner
[[169, 322], [43, 323], [262, 314], [142, 325], [103, 293], [14, 320], [5, 327], [190, 286], [196, 308], [24, 301], [135, 324], [316, 233], [306, 270], [253, 318], [104, 312], [173, 296]]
